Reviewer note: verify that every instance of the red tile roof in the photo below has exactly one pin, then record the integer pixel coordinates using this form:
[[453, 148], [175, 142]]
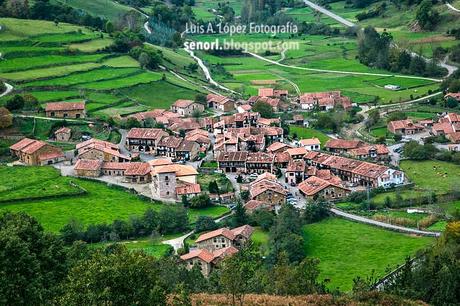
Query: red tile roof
[[64, 130], [218, 232], [64, 106], [343, 144], [188, 189], [202, 254], [138, 169], [88, 165], [144, 133], [183, 103], [22, 144]]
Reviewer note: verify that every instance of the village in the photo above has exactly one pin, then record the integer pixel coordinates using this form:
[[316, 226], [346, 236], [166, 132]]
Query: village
[[262, 163]]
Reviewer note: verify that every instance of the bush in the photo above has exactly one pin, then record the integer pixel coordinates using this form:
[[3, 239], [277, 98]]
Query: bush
[[205, 223]]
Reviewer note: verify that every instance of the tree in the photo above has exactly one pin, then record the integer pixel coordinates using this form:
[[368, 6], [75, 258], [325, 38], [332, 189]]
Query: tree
[[265, 109], [132, 123], [316, 211], [240, 217], [72, 231], [109, 28], [237, 272], [213, 187], [15, 103], [451, 102], [114, 276], [32, 262], [205, 223], [185, 201], [30, 102], [6, 119], [427, 16], [201, 98], [144, 59], [201, 201], [172, 220], [263, 218]]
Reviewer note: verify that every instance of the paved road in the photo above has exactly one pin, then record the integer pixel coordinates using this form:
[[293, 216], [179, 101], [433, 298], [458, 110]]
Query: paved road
[[206, 71], [341, 72], [452, 8], [147, 28], [384, 225], [329, 13], [7, 91], [54, 119]]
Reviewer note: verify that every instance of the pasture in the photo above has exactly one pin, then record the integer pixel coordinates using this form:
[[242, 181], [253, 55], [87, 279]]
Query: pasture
[[305, 133], [100, 203], [347, 249], [64, 63]]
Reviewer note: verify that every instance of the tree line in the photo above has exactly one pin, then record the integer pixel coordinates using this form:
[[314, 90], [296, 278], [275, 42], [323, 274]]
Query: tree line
[[377, 50]]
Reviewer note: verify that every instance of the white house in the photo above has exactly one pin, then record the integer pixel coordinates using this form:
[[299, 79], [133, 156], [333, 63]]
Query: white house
[[311, 144]]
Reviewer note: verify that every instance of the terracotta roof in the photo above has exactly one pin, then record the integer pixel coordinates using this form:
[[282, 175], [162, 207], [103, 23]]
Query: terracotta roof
[[185, 189], [170, 142], [218, 232], [246, 107], [297, 151], [453, 117], [343, 144], [232, 156], [183, 103], [160, 162], [97, 142], [64, 106], [244, 230], [202, 254], [146, 133], [221, 253], [403, 124], [64, 130], [52, 153], [265, 176], [370, 170], [455, 95], [187, 146], [314, 184], [282, 157], [259, 157], [153, 114], [88, 165], [277, 146], [266, 92], [296, 166], [310, 142], [381, 149], [180, 170], [198, 132], [445, 127], [454, 137], [33, 147], [114, 166], [22, 144], [138, 169], [256, 188], [253, 205]]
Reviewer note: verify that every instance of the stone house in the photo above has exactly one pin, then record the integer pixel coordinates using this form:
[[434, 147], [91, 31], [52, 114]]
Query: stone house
[[376, 152], [186, 108], [63, 134], [36, 153], [340, 146], [315, 187], [259, 162], [232, 161], [101, 150], [220, 103], [404, 127], [187, 150], [224, 237], [267, 189], [168, 146], [144, 139], [88, 167], [65, 110], [168, 181], [295, 172]]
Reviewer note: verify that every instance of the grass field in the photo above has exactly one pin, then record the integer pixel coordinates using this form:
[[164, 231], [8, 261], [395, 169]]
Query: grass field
[[64, 62], [304, 133], [152, 247], [101, 204], [347, 249], [103, 8], [222, 181], [423, 174]]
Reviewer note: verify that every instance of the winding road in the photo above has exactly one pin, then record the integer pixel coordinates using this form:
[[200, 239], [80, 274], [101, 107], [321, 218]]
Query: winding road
[[452, 8], [450, 68], [341, 72], [8, 90]]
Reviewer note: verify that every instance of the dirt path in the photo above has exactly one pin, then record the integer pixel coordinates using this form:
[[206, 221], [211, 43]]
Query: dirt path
[[330, 14], [452, 8]]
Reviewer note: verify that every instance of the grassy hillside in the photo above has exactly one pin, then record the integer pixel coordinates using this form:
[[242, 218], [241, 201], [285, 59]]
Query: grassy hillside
[[348, 249], [67, 62], [108, 9]]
